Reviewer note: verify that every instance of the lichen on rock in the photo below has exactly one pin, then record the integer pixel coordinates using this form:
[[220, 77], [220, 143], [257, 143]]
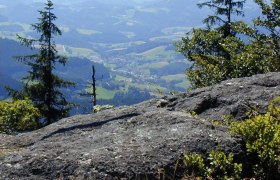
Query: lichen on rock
[[136, 141]]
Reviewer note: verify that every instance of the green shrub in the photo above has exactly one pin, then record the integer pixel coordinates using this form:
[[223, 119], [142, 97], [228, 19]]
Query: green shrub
[[18, 116], [218, 165], [195, 165], [222, 166], [99, 108], [217, 58], [261, 134]]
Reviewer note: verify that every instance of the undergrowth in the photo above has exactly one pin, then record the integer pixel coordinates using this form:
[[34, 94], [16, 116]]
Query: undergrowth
[[261, 136]]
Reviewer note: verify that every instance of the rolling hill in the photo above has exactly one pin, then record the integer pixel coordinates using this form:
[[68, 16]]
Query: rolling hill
[[133, 39]]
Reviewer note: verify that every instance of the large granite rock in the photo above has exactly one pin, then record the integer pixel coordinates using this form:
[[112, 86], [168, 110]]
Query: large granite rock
[[136, 142]]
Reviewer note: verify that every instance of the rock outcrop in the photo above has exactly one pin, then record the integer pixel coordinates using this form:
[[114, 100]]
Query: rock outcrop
[[137, 141]]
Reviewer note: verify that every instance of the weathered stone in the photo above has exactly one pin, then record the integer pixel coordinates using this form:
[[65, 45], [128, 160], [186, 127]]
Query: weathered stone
[[232, 97], [140, 141]]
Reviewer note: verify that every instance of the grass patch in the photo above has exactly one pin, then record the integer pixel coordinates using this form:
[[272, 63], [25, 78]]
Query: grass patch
[[118, 45], [172, 37], [78, 52], [110, 66], [148, 86], [174, 77], [175, 30], [185, 83], [87, 32], [153, 53], [103, 93], [122, 78], [152, 10], [26, 27], [155, 65], [159, 52], [128, 34]]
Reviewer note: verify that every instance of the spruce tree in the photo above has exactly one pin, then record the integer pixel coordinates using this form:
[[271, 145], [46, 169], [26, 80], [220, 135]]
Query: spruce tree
[[41, 84], [223, 19], [224, 12], [208, 47], [269, 40]]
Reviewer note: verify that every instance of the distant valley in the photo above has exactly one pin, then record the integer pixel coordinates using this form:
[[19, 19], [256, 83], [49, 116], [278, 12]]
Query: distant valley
[[129, 41]]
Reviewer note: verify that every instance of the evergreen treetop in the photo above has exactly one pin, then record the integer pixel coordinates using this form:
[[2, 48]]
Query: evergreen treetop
[[219, 53], [224, 12], [41, 85]]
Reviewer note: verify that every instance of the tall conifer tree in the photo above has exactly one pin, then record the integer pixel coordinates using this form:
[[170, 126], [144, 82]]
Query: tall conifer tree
[[269, 41], [207, 48], [41, 85], [224, 12]]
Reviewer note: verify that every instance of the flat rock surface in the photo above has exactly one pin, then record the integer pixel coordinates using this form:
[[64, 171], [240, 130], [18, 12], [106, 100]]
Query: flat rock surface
[[135, 141], [232, 97]]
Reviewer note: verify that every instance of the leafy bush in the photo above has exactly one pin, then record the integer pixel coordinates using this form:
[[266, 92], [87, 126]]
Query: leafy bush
[[18, 116], [218, 165], [99, 108], [207, 49], [195, 165], [240, 51], [261, 136], [261, 133]]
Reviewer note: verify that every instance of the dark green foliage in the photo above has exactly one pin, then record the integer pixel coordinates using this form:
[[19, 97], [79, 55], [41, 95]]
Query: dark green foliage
[[202, 49], [261, 160], [18, 116], [222, 22], [41, 85], [195, 165], [206, 47], [261, 134], [224, 10], [269, 43], [217, 165], [219, 53]]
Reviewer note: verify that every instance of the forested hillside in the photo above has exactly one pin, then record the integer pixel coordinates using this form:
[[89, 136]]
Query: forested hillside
[[78, 70], [132, 39], [129, 39]]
